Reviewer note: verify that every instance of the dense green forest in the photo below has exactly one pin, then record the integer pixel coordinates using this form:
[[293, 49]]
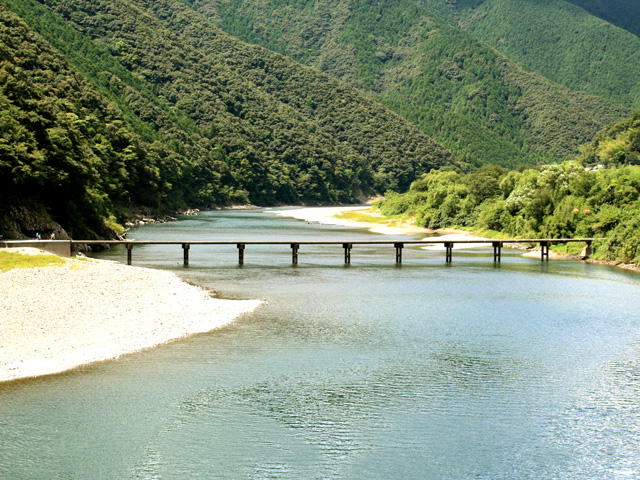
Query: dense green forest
[[562, 42], [618, 144], [623, 13], [64, 146], [175, 113], [458, 90], [553, 201]]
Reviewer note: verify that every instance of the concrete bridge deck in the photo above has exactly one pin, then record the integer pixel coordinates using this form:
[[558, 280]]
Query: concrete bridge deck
[[69, 247]]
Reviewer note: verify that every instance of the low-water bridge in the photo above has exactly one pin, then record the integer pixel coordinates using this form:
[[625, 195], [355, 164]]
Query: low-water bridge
[[72, 246]]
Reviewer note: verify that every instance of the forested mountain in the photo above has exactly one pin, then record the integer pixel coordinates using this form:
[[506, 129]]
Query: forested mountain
[[176, 113], [460, 91], [562, 42], [139, 104], [64, 147]]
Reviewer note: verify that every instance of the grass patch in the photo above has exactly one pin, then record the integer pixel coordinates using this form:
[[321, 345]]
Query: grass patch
[[9, 260], [359, 216], [112, 224], [574, 248], [488, 233]]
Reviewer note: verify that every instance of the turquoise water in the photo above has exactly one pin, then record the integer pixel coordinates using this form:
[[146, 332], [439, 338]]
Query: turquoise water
[[526, 370]]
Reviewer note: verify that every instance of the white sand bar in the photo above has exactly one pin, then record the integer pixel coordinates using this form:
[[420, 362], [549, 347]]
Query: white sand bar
[[59, 317], [324, 215], [327, 216]]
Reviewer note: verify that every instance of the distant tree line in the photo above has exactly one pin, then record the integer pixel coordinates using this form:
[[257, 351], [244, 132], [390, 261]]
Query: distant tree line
[[553, 201]]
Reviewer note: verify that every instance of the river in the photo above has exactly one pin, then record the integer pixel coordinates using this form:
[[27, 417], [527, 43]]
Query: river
[[468, 370]]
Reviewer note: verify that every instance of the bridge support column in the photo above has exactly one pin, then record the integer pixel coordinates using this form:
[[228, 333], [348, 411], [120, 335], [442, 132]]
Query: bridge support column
[[448, 248], [185, 254], [544, 251], [129, 255], [241, 253], [497, 247], [586, 251], [294, 253], [347, 252], [399, 247]]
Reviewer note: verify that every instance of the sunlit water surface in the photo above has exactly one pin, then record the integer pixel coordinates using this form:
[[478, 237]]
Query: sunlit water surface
[[526, 370]]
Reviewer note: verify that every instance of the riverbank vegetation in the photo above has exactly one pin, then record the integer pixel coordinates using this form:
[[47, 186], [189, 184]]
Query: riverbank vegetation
[[552, 201]]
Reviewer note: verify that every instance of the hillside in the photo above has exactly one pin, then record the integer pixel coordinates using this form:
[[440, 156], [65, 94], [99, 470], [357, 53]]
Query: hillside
[[623, 13], [562, 42], [67, 155], [216, 121], [616, 145], [464, 94]]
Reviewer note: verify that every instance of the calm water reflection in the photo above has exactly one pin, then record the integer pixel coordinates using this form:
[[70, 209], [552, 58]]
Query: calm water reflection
[[466, 371]]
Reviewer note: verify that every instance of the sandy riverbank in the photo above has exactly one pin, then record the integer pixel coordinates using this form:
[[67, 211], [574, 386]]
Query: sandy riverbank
[[59, 317], [327, 215]]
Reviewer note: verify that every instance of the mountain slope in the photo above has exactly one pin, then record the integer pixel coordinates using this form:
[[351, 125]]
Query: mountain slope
[[224, 122], [243, 94], [563, 43], [482, 106], [67, 157], [623, 13]]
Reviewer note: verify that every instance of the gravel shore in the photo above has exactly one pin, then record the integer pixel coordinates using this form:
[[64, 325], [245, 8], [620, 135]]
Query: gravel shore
[[59, 317]]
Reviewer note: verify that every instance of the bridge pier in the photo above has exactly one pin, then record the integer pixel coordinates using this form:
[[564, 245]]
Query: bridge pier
[[347, 252], [185, 254], [497, 245], [241, 253], [497, 251], [544, 251], [399, 247], [448, 247]]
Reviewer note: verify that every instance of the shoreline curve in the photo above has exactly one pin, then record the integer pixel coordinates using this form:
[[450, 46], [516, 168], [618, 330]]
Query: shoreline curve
[[56, 318]]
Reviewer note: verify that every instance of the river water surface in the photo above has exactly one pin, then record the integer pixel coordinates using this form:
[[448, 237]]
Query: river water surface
[[526, 370]]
